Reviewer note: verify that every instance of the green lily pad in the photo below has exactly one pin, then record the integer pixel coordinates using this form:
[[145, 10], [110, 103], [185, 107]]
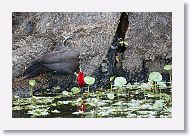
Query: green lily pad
[[110, 96], [158, 105], [120, 81], [145, 86], [129, 86], [65, 93], [32, 82], [75, 90], [168, 67], [155, 76], [89, 80]]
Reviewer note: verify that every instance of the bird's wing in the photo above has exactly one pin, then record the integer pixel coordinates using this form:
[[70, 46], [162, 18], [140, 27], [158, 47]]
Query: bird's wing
[[57, 57], [65, 61], [67, 66]]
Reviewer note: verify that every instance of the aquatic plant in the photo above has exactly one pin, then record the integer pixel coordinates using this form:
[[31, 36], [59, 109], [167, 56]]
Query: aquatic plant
[[38, 112], [162, 85], [154, 78], [89, 81], [111, 81], [119, 82], [111, 94], [169, 69], [158, 105], [75, 90], [146, 87], [65, 93], [32, 83]]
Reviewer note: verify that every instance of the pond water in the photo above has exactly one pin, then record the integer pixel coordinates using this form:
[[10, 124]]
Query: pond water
[[122, 102]]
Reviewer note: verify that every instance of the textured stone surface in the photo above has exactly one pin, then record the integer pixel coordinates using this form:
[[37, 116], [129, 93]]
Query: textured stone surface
[[150, 42], [35, 34], [149, 38]]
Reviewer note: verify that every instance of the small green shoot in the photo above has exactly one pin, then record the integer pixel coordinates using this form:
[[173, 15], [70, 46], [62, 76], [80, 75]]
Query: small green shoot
[[111, 80], [155, 77], [89, 81], [32, 83]]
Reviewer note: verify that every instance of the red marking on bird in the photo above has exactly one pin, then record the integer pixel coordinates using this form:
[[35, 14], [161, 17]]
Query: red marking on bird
[[80, 79]]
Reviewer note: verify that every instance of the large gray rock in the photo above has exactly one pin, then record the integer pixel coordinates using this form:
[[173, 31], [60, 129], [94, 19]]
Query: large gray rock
[[150, 43], [149, 37], [35, 34]]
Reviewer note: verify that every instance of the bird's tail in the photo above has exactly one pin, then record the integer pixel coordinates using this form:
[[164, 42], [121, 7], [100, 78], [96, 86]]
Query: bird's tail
[[31, 71]]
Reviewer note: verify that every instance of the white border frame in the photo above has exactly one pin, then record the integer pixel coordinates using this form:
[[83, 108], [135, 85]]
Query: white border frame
[[174, 123]]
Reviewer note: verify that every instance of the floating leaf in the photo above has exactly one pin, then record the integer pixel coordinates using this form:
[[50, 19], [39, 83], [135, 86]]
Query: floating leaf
[[75, 90], [155, 76], [158, 105], [65, 93], [162, 85], [89, 80], [145, 86], [129, 86], [168, 67], [32, 82], [120, 81], [110, 96], [38, 112]]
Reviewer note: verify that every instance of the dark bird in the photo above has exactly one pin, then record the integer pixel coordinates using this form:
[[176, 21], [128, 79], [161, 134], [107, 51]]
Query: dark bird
[[61, 60]]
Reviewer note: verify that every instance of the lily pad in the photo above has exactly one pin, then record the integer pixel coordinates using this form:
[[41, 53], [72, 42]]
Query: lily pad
[[145, 86], [129, 86], [65, 93], [89, 80], [155, 76], [120, 81], [110, 96], [158, 105], [75, 90], [38, 112], [162, 85], [32, 82], [168, 67]]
